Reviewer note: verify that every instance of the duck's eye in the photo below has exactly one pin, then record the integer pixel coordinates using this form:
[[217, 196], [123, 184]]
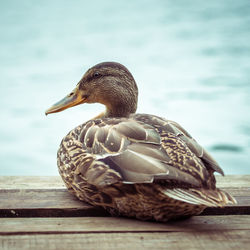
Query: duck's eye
[[97, 74]]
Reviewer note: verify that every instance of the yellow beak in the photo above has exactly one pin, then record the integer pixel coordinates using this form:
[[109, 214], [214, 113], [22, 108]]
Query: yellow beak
[[73, 99]]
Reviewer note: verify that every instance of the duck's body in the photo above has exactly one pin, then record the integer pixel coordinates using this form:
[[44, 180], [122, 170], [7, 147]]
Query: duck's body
[[135, 165]]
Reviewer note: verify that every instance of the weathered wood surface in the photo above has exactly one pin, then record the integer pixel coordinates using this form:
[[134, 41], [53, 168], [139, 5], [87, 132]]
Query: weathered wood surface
[[47, 196], [119, 233], [116, 224], [199, 232], [39, 213], [225, 240], [55, 182]]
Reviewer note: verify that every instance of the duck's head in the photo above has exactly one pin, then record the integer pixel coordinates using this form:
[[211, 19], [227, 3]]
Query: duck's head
[[108, 83]]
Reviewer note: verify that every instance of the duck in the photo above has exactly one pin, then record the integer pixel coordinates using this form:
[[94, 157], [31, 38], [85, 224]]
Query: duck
[[133, 165]]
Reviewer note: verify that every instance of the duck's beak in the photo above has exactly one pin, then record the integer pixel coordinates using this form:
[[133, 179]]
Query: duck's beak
[[73, 99]]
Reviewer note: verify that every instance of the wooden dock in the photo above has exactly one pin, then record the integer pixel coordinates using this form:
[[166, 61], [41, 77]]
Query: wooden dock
[[39, 213]]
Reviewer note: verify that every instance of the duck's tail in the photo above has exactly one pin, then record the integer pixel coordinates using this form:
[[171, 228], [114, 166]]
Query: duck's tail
[[207, 197]]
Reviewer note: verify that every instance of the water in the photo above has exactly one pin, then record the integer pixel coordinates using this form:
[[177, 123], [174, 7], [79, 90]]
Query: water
[[189, 58]]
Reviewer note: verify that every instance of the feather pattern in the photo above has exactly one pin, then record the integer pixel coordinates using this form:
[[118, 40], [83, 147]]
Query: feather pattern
[[107, 158]]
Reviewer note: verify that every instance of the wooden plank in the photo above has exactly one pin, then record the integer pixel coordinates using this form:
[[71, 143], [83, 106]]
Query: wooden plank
[[109, 225], [52, 182], [226, 240], [31, 182], [46, 196], [233, 181], [54, 198], [44, 203], [29, 198], [55, 182]]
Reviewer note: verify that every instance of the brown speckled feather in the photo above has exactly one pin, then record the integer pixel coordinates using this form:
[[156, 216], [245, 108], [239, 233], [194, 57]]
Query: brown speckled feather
[[102, 160]]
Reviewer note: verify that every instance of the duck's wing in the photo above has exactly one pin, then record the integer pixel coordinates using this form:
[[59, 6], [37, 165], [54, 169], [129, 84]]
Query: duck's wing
[[188, 156], [140, 149], [196, 148], [177, 130]]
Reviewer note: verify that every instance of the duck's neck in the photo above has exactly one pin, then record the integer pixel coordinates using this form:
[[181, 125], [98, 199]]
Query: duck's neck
[[118, 111], [112, 113], [119, 107]]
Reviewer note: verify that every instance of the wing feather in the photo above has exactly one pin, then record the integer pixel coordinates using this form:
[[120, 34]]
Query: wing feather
[[144, 149], [210, 198]]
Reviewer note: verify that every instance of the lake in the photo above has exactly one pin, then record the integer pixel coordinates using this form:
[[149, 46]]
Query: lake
[[190, 59]]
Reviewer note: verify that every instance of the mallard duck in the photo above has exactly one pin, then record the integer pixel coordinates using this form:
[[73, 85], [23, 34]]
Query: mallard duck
[[133, 165]]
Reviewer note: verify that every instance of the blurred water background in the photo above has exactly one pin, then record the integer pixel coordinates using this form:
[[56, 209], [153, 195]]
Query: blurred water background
[[191, 61]]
